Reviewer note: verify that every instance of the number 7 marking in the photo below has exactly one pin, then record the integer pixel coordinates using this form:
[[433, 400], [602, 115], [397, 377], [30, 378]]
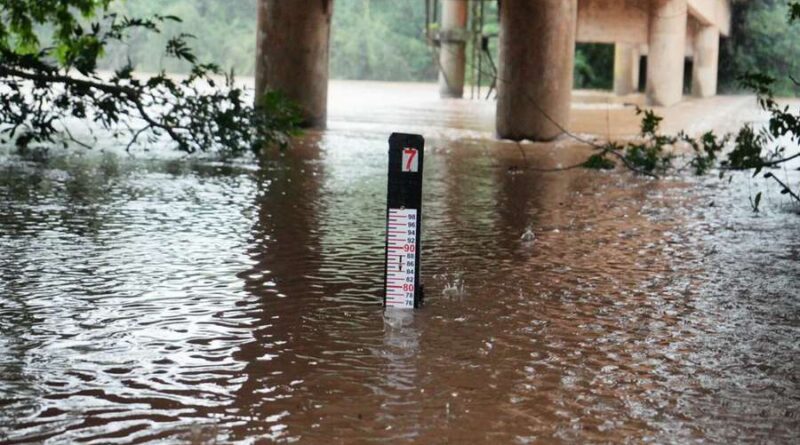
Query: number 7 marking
[[409, 154]]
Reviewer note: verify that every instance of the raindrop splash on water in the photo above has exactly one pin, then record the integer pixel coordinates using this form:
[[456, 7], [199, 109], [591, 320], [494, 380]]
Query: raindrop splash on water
[[528, 236], [159, 300]]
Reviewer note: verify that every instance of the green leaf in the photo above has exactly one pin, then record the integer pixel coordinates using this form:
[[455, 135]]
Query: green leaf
[[598, 161], [794, 11], [756, 202]]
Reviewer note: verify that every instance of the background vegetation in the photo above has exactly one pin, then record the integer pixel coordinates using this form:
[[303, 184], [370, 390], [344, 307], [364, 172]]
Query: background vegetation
[[594, 66], [381, 40], [371, 39], [762, 40], [224, 32], [384, 40]]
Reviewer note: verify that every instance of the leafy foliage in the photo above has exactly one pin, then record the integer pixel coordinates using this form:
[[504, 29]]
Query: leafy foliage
[[759, 150], [751, 150], [754, 202], [594, 66], [380, 40], [794, 11], [650, 154], [227, 37], [374, 39], [747, 151], [383, 40], [44, 87], [598, 161], [762, 40], [706, 151]]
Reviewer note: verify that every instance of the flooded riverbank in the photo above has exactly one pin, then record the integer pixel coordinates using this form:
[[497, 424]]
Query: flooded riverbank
[[193, 301]]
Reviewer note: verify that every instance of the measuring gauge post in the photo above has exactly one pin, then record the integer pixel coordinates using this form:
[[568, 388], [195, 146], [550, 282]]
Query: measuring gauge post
[[403, 286]]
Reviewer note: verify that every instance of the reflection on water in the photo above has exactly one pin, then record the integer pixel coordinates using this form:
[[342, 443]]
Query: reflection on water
[[194, 301]]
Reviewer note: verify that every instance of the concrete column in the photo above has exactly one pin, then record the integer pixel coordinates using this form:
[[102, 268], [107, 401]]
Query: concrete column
[[667, 42], [452, 53], [537, 52], [706, 61], [292, 54], [626, 68]]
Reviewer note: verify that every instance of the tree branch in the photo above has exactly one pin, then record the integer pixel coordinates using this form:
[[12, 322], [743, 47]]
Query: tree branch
[[68, 80]]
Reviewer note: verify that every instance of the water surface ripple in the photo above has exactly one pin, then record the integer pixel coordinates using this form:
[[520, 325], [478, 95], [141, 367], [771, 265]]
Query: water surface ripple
[[182, 301]]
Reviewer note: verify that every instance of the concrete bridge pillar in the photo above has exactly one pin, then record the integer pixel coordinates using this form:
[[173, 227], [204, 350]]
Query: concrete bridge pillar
[[667, 43], [626, 68], [534, 83], [292, 54], [452, 53], [706, 61]]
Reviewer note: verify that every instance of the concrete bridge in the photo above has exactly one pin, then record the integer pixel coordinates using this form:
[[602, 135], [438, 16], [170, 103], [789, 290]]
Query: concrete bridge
[[537, 50]]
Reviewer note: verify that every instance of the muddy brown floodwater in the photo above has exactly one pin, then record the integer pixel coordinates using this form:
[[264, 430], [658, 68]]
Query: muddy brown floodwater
[[185, 301]]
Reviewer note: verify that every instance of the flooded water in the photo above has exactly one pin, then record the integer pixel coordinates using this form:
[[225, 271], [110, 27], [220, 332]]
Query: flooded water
[[190, 301]]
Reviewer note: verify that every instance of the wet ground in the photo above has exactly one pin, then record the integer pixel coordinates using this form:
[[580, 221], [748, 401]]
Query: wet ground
[[192, 301]]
